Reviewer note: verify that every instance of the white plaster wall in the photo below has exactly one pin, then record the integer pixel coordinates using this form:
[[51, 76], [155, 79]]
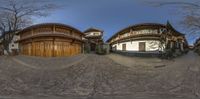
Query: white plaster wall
[[151, 45], [13, 44], [93, 34]]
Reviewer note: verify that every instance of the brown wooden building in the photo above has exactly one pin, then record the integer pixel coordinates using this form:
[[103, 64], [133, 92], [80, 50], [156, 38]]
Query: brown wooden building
[[50, 40]]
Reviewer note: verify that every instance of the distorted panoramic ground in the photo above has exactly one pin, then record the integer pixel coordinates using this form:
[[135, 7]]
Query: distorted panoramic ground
[[91, 76]]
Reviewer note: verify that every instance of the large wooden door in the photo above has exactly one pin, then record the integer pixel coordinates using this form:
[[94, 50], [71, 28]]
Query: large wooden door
[[123, 47], [37, 49], [142, 46], [66, 50], [41, 44], [59, 49], [33, 49], [71, 49], [29, 49], [48, 49], [26, 49]]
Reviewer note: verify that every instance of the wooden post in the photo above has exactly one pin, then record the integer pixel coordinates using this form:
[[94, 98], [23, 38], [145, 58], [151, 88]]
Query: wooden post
[[54, 28], [31, 32], [53, 48]]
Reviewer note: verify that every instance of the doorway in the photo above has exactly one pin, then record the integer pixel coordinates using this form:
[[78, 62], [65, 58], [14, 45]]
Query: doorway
[[142, 46], [123, 47]]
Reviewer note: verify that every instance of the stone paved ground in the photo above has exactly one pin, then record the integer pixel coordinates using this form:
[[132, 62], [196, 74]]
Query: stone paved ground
[[48, 63], [100, 77]]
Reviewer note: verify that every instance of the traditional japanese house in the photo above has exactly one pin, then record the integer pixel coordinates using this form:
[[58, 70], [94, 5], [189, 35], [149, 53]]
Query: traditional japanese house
[[8, 39], [93, 37], [147, 38], [50, 40]]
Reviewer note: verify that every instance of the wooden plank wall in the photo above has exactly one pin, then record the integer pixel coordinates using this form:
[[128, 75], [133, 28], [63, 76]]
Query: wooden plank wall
[[50, 46], [51, 49]]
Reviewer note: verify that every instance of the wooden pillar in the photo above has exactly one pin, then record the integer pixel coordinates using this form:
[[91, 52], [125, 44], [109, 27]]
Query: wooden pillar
[[32, 32], [32, 47], [53, 51], [54, 28]]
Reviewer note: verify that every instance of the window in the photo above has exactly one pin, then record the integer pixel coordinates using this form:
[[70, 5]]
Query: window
[[123, 47], [162, 30], [95, 33]]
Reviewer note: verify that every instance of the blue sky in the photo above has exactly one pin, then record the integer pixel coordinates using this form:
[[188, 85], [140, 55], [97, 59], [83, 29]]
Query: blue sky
[[112, 15]]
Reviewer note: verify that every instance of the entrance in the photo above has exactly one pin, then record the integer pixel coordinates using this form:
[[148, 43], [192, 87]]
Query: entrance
[[142, 46], [123, 47]]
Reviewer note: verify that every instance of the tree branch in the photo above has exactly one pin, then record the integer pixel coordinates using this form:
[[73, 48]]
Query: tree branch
[[177, 3]]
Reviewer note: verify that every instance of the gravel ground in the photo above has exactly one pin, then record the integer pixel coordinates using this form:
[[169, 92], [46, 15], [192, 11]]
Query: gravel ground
[[100, 77], [48, 63]]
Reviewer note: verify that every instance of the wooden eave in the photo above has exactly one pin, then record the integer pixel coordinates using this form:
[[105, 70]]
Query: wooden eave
[[173, 30], [50, 35], [137, 27], [136, 39], [50, 24], [93, 37], [140, 37], [93, 30]]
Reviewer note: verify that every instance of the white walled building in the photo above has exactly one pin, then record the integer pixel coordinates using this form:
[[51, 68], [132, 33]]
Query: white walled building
[[149, 45], [13, 46], [147, 38]]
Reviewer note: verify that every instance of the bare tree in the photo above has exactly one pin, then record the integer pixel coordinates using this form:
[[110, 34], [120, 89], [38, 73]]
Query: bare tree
[[17, 14], [190, 12], [191, 20]]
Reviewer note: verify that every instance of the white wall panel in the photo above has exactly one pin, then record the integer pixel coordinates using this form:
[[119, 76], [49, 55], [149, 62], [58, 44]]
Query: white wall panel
[[151, 45]]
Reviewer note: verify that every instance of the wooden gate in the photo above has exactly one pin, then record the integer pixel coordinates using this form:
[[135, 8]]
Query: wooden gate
[[48, 49], [58, 49], [66, 49], [51, 48], [26, 49]]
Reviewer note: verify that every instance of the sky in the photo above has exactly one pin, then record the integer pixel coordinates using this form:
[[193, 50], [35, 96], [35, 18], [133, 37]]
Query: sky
[[113, 15]]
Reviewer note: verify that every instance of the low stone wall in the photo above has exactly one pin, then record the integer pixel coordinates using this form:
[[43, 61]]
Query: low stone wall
[[138, 54]]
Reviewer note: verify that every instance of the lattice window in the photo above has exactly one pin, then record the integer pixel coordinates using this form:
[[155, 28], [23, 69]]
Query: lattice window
[[77, 35], [25, 34], [44, 29], [62, 30]]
